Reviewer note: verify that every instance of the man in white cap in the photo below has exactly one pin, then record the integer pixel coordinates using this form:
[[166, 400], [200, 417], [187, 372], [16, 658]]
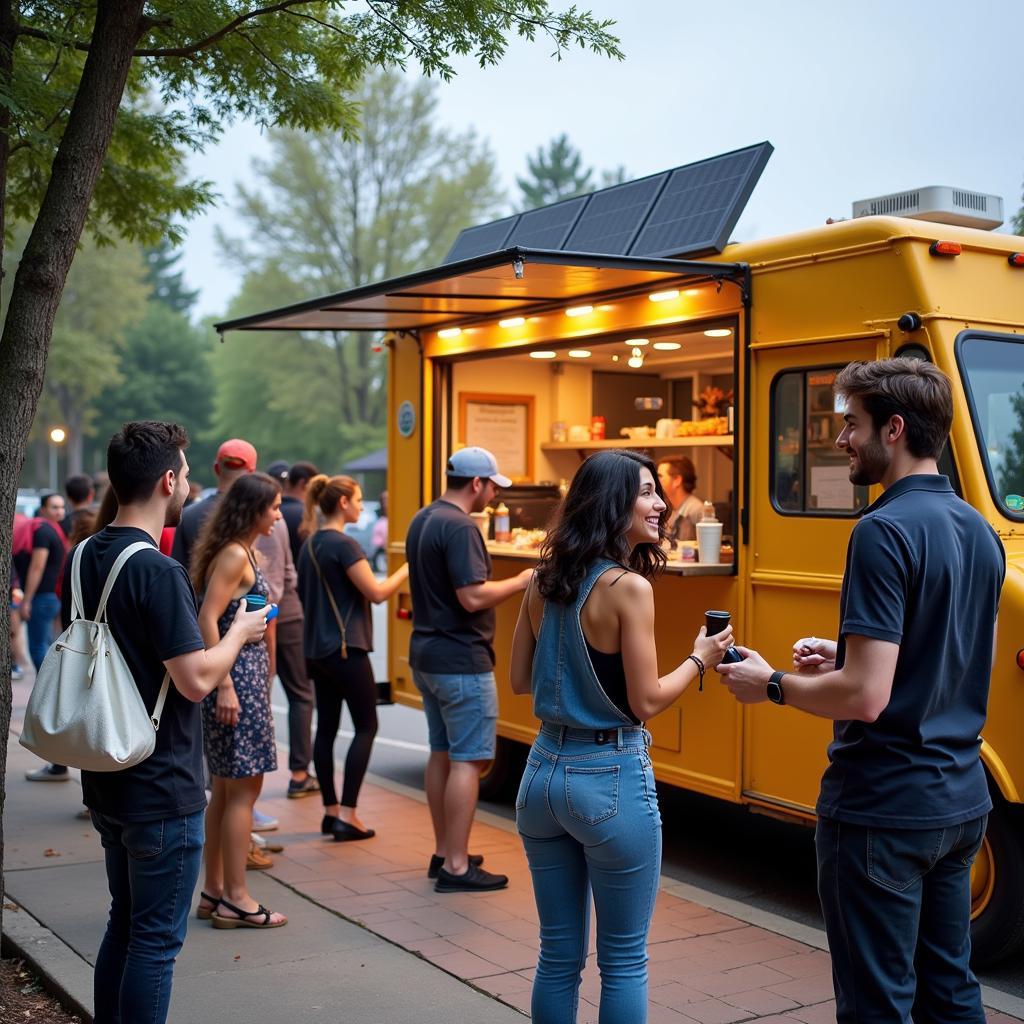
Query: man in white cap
[[452, 658]]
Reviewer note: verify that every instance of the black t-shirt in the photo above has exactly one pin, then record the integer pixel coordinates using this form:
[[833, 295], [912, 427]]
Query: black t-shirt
[[45, 536], [291, 512], [321, 635], [152, 616], [923, 570], [187, 532], [446, 552]]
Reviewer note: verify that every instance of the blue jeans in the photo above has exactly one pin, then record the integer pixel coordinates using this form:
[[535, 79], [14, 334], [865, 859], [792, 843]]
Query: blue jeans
[[588, 816], [45, 608], [897, 908], [462, 713], [152, 869]]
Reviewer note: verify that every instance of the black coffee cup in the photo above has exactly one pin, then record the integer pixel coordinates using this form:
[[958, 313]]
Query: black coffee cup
[[715, 622]]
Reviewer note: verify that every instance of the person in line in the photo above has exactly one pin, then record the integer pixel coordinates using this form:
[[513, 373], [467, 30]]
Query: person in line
[[82, 498], [904, 801], [452, 659], [150, 816], [18, 656], [336, 585], [587, 810], [235, 458], [39, 560], [678, 479], [288, 659], [238, 726], [293, 503]]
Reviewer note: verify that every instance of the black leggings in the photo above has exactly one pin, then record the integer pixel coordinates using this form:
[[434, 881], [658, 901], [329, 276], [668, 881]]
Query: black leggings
[[338, 679]]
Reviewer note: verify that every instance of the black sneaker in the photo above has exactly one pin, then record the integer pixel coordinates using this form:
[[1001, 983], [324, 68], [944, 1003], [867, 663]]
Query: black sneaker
[[436, 863], [475, 879], [307, 787]]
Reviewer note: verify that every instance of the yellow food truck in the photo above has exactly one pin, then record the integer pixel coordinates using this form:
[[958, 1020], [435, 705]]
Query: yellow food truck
[[626, 318]]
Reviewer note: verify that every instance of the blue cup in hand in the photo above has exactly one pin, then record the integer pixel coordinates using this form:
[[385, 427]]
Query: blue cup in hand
[[272, 613]]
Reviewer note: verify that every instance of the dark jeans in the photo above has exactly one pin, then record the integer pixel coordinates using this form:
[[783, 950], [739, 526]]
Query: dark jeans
[[897, 908], [45, 608], [298, 688], [152, 869], [349, 680]]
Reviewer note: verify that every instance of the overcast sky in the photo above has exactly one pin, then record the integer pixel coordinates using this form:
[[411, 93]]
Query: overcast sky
[[859, 99]]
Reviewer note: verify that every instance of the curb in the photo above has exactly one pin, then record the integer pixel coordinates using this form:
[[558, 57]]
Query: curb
[[63, 973]]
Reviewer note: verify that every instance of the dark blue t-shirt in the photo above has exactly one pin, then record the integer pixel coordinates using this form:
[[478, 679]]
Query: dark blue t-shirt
[[924, 571], [445, 550], [152, 616]]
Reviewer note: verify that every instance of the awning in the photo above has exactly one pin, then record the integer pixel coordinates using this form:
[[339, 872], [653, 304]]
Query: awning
[[513, 282], [374, 462]]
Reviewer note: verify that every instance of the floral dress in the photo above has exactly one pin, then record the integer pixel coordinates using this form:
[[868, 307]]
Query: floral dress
[[247, 749]]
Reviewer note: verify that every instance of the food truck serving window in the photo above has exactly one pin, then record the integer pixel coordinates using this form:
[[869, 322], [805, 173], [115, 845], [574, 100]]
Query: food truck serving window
[[810, 476], [992, 366]]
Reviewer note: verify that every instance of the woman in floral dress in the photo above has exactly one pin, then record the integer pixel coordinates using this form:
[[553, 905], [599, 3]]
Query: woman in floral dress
[[238, 727]]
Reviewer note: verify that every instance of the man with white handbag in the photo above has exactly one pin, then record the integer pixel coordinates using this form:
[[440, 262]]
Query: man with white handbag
[[149, 815]]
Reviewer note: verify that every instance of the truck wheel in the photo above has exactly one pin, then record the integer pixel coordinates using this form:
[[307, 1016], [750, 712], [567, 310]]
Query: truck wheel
[[997, 887], [503, 773]]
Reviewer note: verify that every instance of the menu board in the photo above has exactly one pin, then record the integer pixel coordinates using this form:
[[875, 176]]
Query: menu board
[[503, 424]]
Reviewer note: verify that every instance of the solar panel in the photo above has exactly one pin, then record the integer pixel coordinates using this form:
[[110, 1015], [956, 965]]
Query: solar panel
[[701, 203], [613, 215], [548, 226], [480, 239]]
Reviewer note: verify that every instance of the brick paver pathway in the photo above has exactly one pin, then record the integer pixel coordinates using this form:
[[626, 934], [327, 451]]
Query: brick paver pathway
[[706, 966]]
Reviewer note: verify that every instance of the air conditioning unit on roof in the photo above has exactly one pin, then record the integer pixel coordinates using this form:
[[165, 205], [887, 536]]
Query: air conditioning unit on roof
[[940, 203]]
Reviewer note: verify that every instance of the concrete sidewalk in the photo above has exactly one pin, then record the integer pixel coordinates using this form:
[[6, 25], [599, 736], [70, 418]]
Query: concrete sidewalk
[[369, 940]]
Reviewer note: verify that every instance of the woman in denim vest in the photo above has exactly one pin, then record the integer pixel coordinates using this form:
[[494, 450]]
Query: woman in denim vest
[[587, 809]]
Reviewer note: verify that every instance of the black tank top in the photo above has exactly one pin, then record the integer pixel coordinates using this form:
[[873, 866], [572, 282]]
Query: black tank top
[[611, 674]]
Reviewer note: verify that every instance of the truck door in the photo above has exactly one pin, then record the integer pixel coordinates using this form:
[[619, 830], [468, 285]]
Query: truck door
[[803, 508]]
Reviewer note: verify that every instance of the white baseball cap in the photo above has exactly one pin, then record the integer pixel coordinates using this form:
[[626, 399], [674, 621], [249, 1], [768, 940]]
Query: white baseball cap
[[475, 461]]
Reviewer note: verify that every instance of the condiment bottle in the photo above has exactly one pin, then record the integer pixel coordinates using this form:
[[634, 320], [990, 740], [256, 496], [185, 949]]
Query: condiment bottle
[[709, 512], [502, 525], [597, 428]]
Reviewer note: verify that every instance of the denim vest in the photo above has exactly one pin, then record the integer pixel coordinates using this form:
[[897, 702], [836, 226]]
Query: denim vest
[[565, 687]]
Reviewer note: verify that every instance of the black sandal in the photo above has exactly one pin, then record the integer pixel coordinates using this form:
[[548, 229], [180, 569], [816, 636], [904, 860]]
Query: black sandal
[[205, 913], [242, 921]]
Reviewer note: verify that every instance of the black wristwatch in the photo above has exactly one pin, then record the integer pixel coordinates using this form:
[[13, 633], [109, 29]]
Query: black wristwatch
[[774, 688]]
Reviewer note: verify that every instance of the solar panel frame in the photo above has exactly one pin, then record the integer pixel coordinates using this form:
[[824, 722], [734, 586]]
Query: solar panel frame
[[709, 196], [624, 206]]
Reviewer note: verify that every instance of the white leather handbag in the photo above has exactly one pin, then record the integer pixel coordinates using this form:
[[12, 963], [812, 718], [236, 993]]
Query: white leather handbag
[[85, 709]]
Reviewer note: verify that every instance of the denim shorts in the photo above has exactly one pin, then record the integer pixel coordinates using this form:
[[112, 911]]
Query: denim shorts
[[462, 713]]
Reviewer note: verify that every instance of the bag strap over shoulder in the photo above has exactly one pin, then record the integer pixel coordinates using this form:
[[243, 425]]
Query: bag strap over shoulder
[[342, 622], [161, 697], [76, 582], [115, 571]]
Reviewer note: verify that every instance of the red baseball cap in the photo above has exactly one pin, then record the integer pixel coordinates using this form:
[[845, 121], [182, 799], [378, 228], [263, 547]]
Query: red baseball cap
[[236, 454]]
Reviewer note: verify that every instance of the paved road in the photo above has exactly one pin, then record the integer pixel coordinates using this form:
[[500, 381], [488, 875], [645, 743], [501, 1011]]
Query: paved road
[[725, 849]]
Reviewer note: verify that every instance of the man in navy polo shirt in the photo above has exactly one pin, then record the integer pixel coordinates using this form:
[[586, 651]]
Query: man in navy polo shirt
[[904, 801]]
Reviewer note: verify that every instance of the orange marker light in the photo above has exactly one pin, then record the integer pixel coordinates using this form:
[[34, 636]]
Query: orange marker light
[[944, 248], [1020, 659], [1016, 259]]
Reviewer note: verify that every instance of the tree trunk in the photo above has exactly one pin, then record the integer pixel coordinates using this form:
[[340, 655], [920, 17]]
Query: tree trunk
[[39, 282]]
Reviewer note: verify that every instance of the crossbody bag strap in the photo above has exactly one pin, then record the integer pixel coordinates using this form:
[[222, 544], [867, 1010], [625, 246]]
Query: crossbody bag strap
[[115, 571], [342, 623], [158, 710]]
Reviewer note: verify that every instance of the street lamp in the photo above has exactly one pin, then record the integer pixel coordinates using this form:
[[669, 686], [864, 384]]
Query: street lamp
[[58, 435]]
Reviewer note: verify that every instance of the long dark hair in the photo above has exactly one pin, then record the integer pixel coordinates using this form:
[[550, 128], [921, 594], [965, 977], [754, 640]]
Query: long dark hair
[[233, 518], [593, 522]]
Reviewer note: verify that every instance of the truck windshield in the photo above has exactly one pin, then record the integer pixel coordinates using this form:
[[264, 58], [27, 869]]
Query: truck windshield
[[994, 374]]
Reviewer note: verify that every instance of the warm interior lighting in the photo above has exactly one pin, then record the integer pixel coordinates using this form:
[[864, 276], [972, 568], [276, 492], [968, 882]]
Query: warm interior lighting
[[691, 292], [543, 355], [636, 359], [718, 332], [579, 310], [667, 346], [450, 332], [579, 353], [637, 342], [512, 321], [666, 296]]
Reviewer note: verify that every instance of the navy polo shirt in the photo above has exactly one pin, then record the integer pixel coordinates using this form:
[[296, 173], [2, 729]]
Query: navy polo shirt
[[924, 571]]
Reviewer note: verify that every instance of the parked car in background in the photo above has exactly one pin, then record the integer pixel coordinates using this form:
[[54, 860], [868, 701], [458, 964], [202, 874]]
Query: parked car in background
[[27, 502], [371, 536]]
